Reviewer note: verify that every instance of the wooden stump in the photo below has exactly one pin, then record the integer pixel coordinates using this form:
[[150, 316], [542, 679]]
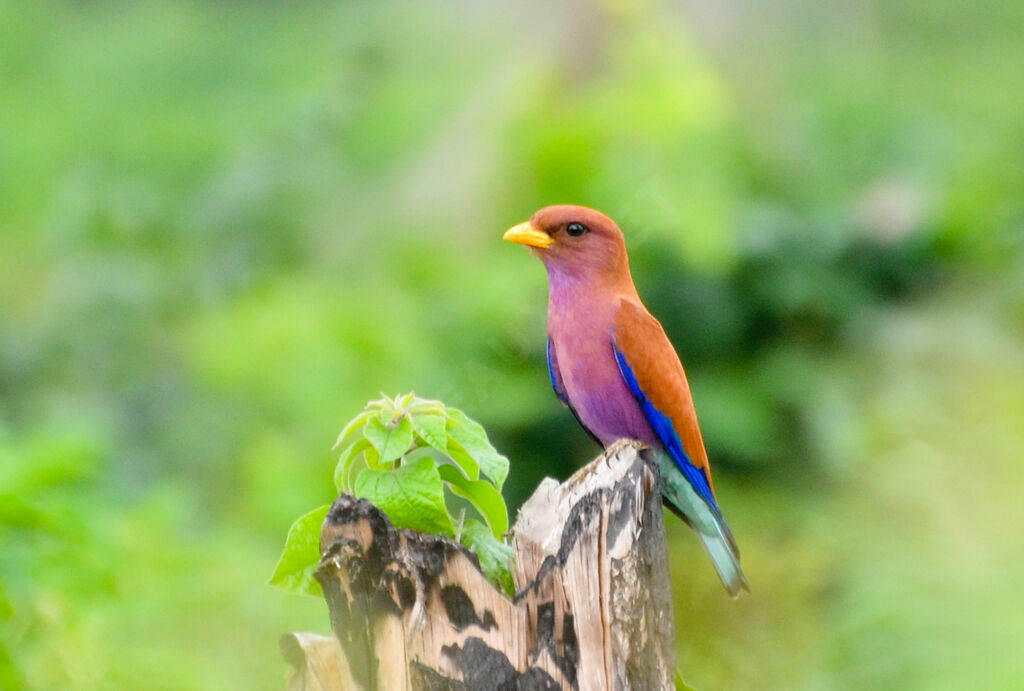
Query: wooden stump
[[593, 608]]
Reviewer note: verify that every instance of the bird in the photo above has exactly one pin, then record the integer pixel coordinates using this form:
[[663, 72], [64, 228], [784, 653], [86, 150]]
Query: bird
[[611, 363]]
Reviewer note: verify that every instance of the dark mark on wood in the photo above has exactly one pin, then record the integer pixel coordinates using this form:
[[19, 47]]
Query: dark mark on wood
[[406, 591], [587, 511], [536, 679], [424, 678], [570, 647], [459, 608], [485, 669], [547, 639], [349, 622]]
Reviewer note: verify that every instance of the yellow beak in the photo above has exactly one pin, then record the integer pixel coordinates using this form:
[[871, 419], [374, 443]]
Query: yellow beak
[[526, 234]]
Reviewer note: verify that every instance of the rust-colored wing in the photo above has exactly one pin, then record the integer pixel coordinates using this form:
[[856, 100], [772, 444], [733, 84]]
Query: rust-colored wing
[[655, 375]]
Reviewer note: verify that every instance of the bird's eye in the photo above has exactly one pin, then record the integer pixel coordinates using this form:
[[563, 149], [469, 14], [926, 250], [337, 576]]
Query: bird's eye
[[575, 229]]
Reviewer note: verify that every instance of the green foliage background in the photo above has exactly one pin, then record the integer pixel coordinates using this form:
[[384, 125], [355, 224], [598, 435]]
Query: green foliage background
[[224, 226]]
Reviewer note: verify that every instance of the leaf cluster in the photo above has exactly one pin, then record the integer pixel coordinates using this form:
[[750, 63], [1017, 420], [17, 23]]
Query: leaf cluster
[[430, 468]]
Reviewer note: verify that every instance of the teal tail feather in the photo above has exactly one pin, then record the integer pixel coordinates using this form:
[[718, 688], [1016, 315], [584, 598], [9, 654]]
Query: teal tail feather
[[708, 523], [726, 561]]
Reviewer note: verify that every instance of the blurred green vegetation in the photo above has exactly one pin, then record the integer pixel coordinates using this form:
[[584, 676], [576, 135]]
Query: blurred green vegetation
[[225, 226]]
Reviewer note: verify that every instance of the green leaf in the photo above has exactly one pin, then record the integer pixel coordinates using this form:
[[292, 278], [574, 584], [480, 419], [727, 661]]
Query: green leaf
[[427, 405], [294, 570], [681, 684], [462, 458], [351, 428], [354, 468], [412, 496], [390, 439], [431, 429], [472, 437], [487, 500], [341, 481], [494, 554], [387, 414]]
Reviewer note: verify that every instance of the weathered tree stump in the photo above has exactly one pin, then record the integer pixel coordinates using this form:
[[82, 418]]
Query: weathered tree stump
[[593, 608]]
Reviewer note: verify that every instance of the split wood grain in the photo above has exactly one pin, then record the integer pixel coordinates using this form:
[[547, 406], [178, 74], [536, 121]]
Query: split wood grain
[[593, 607]]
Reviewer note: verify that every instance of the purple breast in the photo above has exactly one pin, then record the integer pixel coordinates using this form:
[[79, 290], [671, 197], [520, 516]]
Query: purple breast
[[597, 390]]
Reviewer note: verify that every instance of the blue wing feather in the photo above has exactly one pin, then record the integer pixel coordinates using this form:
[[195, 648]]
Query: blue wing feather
[[555, 375], [666, 432]]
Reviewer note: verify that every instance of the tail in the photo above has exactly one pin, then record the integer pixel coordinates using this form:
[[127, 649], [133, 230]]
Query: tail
[[726, 559], [707, 522]]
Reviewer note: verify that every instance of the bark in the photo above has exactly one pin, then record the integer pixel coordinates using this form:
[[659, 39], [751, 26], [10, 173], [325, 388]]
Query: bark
[[593, 608]]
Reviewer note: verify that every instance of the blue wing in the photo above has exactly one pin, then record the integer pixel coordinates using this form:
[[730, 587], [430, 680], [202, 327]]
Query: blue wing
[[663, 427], [556, 376]]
